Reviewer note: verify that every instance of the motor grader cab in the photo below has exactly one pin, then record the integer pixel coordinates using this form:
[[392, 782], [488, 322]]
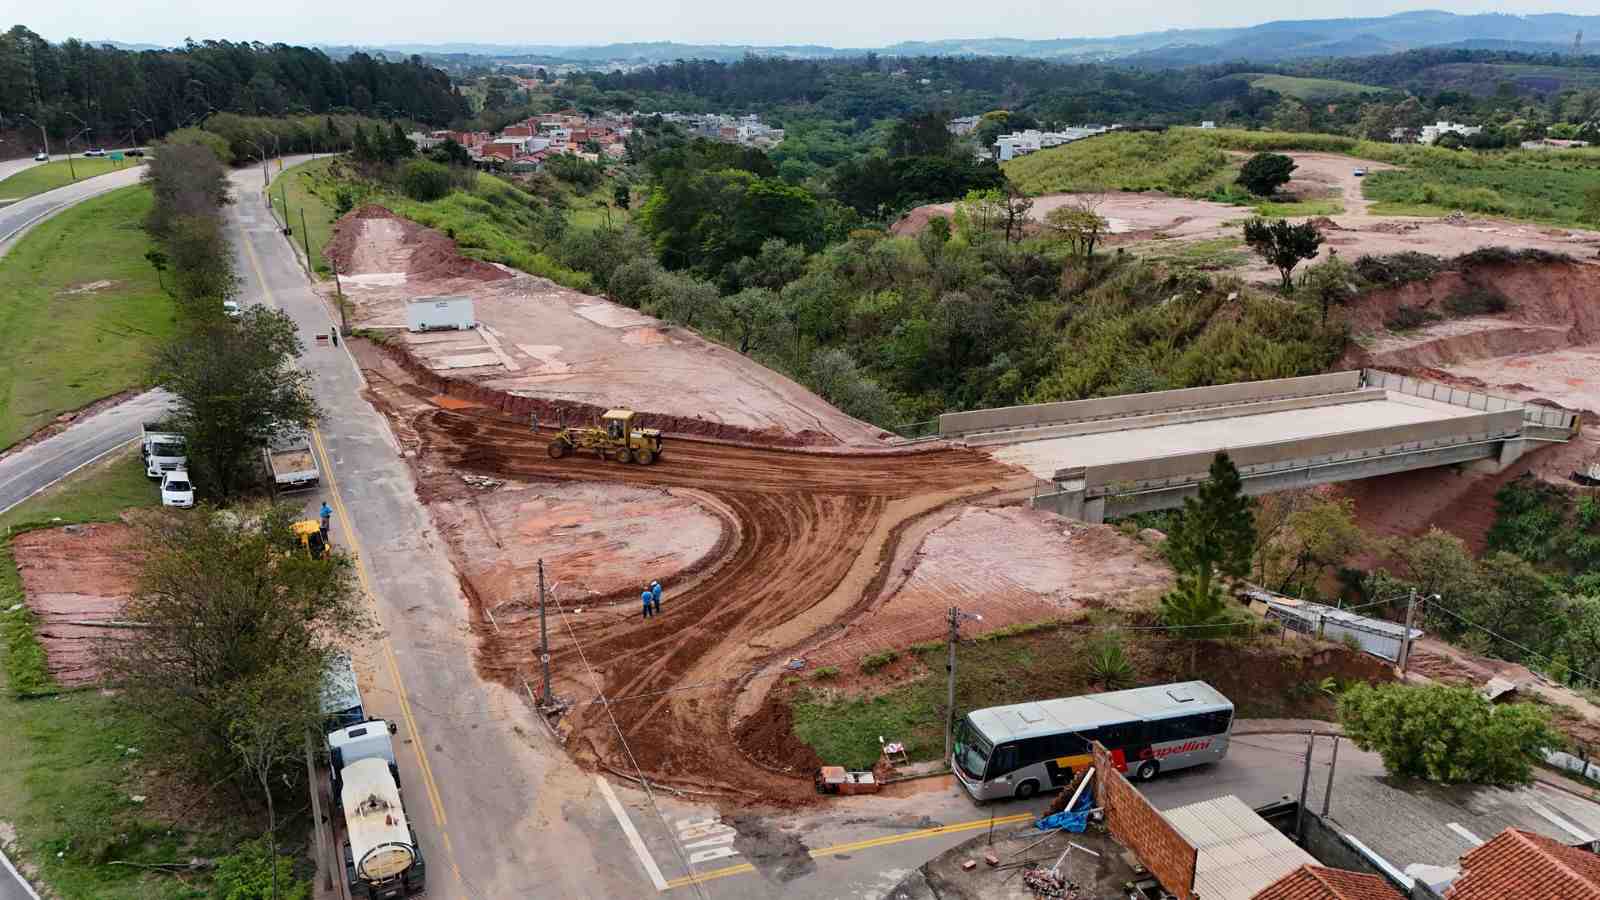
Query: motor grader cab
[[614, 438]]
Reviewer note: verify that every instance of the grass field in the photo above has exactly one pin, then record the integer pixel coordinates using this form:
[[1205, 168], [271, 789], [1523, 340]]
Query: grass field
[[1536, 185], [70, 765], [309, 191], [1311, 90], [81, 309], [51, 175]]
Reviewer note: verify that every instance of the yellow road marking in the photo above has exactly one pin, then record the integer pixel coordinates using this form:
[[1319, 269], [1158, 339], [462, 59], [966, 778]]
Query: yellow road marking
[[853, 846], [366, 585]]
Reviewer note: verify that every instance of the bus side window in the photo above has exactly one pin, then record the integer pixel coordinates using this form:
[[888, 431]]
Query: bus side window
[[1071, 745], [1004, 762]]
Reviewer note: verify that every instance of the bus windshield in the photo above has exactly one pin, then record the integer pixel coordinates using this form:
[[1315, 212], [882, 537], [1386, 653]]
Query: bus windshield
[[972, 749]]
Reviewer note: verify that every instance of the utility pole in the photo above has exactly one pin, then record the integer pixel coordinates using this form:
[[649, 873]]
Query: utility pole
[[1327, 795], [1305, 785], [1405, 639], [344, 325], [544, 643], [305, 236], [950, 692]]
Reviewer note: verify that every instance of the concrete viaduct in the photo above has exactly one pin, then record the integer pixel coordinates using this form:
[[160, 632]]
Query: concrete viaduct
[[1116, 456]]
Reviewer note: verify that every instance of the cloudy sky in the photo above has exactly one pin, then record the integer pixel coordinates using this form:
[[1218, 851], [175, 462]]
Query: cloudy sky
[[839, 23]]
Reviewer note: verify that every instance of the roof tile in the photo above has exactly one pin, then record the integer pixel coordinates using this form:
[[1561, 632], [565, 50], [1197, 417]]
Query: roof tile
[[1320, 883], [1526, 866]]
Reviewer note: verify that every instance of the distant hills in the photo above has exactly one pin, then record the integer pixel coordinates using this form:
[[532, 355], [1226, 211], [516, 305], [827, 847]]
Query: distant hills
[[1278, 41], [1269, 42]]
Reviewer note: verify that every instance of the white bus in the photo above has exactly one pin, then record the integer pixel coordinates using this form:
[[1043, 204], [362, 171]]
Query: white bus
[[1020, 750]]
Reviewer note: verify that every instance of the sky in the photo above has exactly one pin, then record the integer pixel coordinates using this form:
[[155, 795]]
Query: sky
[[837, 23]]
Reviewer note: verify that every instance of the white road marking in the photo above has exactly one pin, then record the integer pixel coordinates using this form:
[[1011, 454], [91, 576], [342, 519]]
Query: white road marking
[[632, 834], [1582, 836], [1460, 829], [26, 887]]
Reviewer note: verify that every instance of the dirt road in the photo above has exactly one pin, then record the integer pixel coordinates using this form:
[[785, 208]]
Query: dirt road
[[813, 533]]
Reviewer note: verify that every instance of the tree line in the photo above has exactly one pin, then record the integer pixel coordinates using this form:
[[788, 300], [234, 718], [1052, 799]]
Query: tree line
[[128, 97]]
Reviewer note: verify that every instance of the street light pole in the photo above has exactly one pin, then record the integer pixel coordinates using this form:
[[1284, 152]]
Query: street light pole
[[261, 155], [955, 618], [42, 134]]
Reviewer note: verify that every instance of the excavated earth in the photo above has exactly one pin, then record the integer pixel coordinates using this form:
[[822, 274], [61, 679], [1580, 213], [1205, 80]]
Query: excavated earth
[[805, 544]]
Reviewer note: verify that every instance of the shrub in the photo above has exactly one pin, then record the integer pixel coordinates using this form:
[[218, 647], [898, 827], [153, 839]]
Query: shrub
[[872, 662], [1476, 300], [825, 673], [1264, 173], [424, 180], [1447, 734], [1398, 268], [1406, 318], [247, 875], [1107, 663]]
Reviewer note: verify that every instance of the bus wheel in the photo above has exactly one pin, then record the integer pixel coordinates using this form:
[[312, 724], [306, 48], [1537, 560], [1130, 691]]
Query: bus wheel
[[1148, 770], [1027, 789]]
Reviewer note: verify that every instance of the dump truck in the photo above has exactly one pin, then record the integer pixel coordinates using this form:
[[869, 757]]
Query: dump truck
[[382, 859], [614, 438], [163, 447], [290, 461]]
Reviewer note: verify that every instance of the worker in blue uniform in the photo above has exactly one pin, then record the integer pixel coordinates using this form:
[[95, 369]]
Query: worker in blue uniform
[[655, 597], [644, 596]]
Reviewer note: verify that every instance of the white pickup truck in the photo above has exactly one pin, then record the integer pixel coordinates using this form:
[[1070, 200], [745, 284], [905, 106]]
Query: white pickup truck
[[163, 449], [290, 460]]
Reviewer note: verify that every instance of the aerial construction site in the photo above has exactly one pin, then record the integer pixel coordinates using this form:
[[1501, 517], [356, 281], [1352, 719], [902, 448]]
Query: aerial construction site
[[786, 535]]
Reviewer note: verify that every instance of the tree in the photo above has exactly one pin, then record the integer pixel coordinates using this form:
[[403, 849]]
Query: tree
[[360, 146], [425, 180], [235, 384], [1283, 245], [1315, 538], [1447, 734], [157, 261], [749, 316], [1264, 173], [921, 135], [1215, 536], [450, 153], [1330, 283], [273, 712], [398, 146], [234, 611], [1079, 223], [1015, 209], [620, 195]]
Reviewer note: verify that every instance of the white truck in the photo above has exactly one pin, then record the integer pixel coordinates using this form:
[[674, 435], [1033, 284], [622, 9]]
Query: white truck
[[290, 461], [382, 860], [440, 314], [163, 448]]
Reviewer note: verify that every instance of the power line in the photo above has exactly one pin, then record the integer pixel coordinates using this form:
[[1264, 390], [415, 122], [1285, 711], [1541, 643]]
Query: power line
[[1525, 649], [632, 760]]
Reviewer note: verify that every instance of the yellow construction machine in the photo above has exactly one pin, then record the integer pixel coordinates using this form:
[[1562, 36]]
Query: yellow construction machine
[[614, 438]]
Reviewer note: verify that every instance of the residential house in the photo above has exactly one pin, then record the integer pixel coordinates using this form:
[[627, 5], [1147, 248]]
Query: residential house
[[963, 125], [1208, 124], [1431, 133], [1021, 143], [1321, 883], [521, 130], [1553, 144], [1526, 866]]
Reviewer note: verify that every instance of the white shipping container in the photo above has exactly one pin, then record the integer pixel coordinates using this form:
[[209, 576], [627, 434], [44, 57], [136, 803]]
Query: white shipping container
[[440, 314]]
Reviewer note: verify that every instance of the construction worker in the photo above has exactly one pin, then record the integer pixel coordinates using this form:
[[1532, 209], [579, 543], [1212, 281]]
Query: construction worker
[[327, 518], [644, 597], [655, 597], [533, 423]]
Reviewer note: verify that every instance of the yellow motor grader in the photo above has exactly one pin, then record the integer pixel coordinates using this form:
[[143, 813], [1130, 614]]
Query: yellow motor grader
[[614, 438]]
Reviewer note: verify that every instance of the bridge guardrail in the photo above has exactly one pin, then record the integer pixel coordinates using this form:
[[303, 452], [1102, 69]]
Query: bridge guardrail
[[1544, 416]]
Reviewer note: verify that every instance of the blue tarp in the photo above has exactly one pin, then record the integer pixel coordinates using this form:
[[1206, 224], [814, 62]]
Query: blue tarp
[[1075, 821]]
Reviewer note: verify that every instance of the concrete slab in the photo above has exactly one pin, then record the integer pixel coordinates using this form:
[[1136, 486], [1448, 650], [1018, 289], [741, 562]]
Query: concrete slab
[[465, 361], [1044, 458]]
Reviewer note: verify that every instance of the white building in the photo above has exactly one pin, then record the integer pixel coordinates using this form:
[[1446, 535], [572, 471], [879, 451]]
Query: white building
[[427, 141], [1431, 133], [963, 125], [1021, 143], [1208, 124]]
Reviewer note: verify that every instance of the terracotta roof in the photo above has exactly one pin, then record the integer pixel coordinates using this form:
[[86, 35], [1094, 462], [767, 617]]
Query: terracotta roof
[[1319, 883], [1526, 866]]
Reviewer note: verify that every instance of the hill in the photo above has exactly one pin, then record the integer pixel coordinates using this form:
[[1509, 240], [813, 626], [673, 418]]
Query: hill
[[1269, 41], [1311, 90]]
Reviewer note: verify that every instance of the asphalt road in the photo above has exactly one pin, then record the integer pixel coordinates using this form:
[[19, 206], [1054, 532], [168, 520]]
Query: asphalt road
[[17, 217], [26, 471]]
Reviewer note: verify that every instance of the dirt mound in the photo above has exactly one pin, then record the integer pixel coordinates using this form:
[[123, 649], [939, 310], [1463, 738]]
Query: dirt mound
[[1539, 293], [429, 256], [1323, 223], [768, 736]]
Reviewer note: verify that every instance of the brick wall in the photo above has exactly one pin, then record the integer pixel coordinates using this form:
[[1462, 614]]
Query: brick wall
[[1141, 828]]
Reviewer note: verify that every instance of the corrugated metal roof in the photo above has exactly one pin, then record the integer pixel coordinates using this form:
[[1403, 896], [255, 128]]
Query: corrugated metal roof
[[1240, 853], [1020, 720]]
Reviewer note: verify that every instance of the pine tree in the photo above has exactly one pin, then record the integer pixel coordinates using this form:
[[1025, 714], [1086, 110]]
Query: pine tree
[[332, 136], [1215, 537], [398, 146], [361, 148]]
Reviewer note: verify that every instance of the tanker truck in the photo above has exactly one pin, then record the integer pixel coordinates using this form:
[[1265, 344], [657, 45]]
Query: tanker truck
[[382, 859]]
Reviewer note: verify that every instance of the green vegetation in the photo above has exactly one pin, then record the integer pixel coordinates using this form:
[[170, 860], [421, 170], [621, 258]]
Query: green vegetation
[[305, 186], [1311, 90], [1263, 173], [71, 765], [1447, 734], [1543, 186], [1209, 255], [81, 308], [1180, 161], [1214, 539], [872, 662], [51, 175]]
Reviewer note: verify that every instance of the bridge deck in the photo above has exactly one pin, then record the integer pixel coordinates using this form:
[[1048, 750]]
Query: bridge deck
[[1047, 456]]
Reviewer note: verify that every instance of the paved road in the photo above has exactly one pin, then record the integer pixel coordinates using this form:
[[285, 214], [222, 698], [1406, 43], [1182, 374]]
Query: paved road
[[17, 217], [26, 471], [498, 808]]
